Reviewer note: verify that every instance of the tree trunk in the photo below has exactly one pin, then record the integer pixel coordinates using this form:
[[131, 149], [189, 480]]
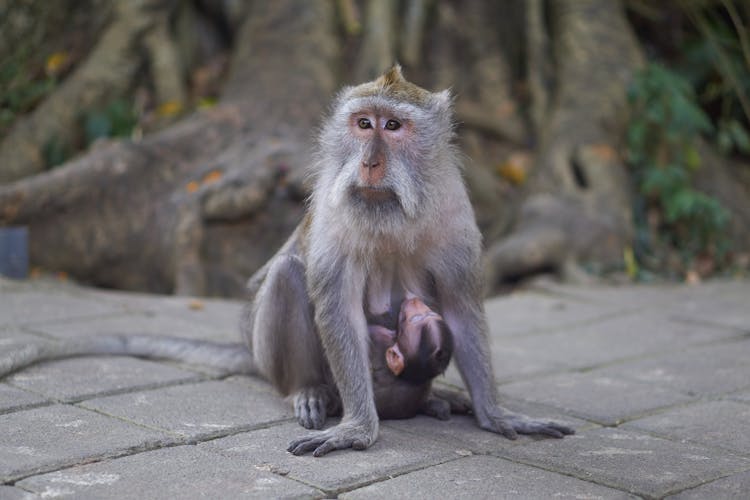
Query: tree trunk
[[197, 207], [578, 208]]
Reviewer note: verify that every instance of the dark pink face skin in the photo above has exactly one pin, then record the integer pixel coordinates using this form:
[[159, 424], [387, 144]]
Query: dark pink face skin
[[403, 347]]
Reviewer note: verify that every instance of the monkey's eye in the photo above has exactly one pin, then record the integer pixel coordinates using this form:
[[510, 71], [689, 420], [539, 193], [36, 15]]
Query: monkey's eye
[[392, 125], [364, 123]]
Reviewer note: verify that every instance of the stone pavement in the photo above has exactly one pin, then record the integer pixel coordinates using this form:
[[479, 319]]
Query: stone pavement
[[655, 379]]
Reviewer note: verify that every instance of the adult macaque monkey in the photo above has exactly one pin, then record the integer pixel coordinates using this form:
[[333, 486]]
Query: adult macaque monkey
[[386, 171], [389, 213]]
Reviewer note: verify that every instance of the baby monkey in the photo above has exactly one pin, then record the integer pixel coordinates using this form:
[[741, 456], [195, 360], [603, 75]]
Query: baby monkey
[[422, 346], [406, 360]]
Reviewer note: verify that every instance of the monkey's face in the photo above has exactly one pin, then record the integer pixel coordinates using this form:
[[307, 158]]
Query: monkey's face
[[424, 344], [381, 159], [384, 149]]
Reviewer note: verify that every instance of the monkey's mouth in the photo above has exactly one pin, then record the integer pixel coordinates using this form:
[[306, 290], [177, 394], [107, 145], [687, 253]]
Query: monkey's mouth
[[373, 194]]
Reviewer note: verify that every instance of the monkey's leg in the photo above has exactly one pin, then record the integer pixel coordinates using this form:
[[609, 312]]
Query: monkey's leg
[[436, 408], [285, 345], [460, 299], [442, 402], [472, 357], [338, 288]]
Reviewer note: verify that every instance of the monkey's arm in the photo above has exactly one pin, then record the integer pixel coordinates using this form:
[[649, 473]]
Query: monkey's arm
[[333, 283], [460, 295]]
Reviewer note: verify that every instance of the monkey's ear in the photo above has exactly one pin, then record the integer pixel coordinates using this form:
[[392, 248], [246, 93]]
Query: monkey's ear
[[443, 100], [395, 360]]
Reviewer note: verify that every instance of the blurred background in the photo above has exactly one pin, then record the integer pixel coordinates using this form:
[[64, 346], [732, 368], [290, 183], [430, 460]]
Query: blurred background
[[163, 145]]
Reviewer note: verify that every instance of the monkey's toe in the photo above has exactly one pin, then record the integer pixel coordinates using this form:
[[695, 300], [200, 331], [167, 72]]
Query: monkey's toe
[[310, 407]]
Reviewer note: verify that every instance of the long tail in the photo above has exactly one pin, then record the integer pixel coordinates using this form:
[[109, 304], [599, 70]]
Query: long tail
[[232, 358]]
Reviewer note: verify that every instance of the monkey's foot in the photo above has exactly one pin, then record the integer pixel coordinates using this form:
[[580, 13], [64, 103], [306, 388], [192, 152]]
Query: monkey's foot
[[442, 402], [511, 424], [312, 405], [344, 435]]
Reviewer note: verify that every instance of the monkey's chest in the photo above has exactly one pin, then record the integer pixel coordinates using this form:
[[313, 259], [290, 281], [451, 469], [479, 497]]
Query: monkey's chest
[[387, 286]]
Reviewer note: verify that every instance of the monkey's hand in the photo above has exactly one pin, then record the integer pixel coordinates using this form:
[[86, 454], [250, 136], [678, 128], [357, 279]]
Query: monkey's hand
[[510, 424], [348, 434]]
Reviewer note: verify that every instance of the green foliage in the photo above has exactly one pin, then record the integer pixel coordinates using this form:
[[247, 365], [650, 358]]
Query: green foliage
[[117, 119], [20, 89], [56, 152], [716, 62], [671, 214]]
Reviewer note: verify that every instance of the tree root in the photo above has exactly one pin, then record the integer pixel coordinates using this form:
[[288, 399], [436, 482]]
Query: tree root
[[106, 73]]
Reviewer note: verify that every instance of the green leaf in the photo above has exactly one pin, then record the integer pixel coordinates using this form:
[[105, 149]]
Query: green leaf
[[97, 125], [739, 136], [692, 157]]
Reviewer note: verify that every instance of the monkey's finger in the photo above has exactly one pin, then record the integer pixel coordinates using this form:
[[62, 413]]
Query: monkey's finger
[[552, 429], [305, 444], [338, 444], [505, 429], [549, 431], [563, 429], [325, 448], [318, 413]]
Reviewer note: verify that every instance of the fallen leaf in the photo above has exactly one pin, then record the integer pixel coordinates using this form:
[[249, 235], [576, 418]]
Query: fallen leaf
[[212, 177], [631, 265], [56, 63], [169, 108], [192, 187], [196, 305], [692, 278], [605, 152], [515, 168]]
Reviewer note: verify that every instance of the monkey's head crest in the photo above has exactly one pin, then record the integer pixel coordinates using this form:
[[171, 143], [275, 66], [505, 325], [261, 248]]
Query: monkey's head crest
[[393, 84]]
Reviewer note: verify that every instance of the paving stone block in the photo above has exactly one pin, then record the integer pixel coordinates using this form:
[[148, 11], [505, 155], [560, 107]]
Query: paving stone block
[[183, 472], [48, 438], [714, 423], [187, 325], [200, 410], [593, 396], [394, 452], [628, 297], [11, 336], [630, 461], [14, 399], [204, 309], [735, 486], [484, 477], [86, 377], [524, 312], [11, 493], [726, 309], [594, 344], [590, 345], [30, 307], [743, 396], [705, 370]]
